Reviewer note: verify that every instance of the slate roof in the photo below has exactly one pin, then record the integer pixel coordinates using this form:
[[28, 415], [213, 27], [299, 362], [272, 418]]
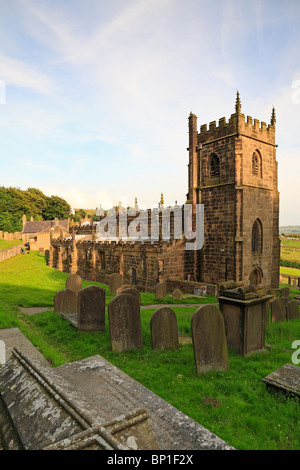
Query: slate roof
[[37, 226]]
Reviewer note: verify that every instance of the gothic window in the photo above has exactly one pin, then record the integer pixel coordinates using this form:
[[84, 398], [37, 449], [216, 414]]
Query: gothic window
[[133, 276], [257, 237], [256, 164], [214, 166]]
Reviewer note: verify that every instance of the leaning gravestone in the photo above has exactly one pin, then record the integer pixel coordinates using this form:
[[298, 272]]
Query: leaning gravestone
[[125, 323], [209, 340], [115, 281], [286, 379], [65, 301], [177, 295], [163, 327], [131, 291], [278, 309], [292, 310], [74, 282], [161, 291], [124, 286], [91, 309]]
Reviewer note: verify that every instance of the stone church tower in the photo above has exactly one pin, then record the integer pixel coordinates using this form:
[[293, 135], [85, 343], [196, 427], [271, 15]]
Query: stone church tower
[[233, 173]]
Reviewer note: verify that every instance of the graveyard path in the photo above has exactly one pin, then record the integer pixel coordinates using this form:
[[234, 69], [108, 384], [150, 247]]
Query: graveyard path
[[175, 305], [33, 310]]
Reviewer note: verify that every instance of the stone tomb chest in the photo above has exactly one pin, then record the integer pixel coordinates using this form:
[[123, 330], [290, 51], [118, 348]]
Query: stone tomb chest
[[245, 311]]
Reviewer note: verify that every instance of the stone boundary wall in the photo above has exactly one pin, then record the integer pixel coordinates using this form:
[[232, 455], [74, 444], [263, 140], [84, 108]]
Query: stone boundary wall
[[290, 279], [10, 252], [187, 287], [10, 236]]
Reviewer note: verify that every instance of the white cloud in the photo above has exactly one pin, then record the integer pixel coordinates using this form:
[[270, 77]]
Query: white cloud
[[18, 73], [79, 199], [118, 79]]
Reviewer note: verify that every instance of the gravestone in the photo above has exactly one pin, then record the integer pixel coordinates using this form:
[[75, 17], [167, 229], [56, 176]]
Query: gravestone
[[74, 282], [177, 295], [285, 292], [292, 310], [2, 353], [91, 309], [115, 281], [125, 286], [131, 291], [209, 340], [161, 291], [65, 301], [278, 309], [125, 323], [163, 327]]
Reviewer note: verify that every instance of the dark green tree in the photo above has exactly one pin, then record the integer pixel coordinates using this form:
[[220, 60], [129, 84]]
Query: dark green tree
[[56, 207]]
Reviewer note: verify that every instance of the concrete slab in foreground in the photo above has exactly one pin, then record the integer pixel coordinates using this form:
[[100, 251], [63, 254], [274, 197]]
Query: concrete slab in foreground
[[89, 404]]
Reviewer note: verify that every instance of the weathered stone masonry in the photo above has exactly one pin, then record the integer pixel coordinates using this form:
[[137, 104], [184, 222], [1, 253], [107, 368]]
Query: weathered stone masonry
[[141, 264], [232, 171]]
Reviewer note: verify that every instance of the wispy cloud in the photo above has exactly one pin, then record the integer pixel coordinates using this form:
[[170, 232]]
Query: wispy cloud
[[103, 89], [21, 74]]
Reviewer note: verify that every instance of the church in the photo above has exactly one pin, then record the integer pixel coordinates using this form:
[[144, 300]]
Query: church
[[233, 176]]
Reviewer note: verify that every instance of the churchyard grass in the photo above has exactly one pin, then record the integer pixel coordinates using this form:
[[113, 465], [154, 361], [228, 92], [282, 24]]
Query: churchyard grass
[[4, 244], [234, 404], [290, 250], [290, 271]]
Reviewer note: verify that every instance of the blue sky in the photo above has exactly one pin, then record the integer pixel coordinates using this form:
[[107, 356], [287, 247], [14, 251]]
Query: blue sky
[[97, 93]]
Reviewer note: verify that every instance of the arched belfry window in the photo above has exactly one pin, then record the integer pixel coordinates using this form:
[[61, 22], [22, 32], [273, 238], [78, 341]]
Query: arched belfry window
[[256, 164], [257, 237], [214, 166]]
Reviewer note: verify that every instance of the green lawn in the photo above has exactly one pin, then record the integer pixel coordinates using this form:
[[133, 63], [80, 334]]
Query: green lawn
[[290, 243], [234, 404], [4, 244], [290, 271]]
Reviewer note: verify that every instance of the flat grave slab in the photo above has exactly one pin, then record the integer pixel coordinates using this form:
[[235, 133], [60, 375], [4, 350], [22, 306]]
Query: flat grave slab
[[117, 394], [94, 405], [72, 318], [34, 310], [285, 379]]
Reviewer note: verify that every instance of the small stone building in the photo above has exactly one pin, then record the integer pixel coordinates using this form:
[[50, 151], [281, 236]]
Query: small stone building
[[39, 232]]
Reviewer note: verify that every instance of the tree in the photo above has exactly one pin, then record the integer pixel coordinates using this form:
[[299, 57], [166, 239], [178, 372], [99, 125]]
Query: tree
[[6, 222], [15, 202], [56, 207]]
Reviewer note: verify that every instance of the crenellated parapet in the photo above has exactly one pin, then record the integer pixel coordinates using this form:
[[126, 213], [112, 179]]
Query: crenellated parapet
[[238, 124]]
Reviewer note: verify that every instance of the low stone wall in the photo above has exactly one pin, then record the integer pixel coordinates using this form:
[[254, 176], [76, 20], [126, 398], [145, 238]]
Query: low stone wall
[[11, 236], [289, 279], [187, 287], [10, 252]]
